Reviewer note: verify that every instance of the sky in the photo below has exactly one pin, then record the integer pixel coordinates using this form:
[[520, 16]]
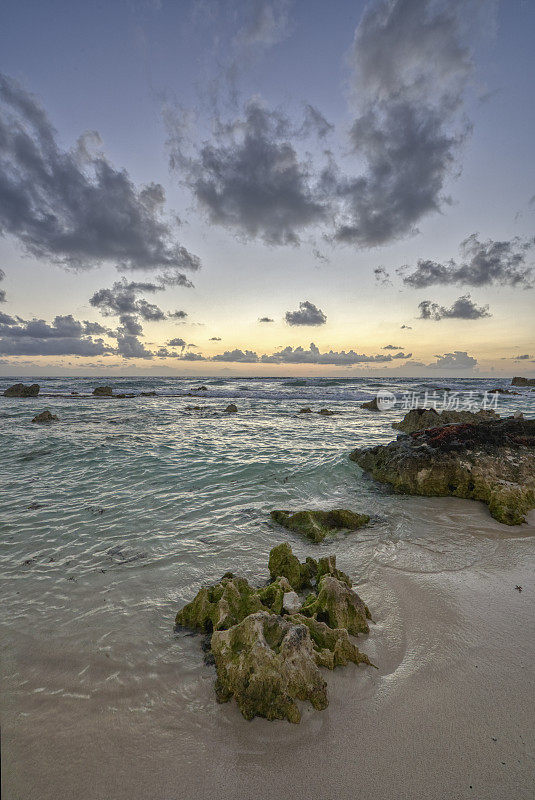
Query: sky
[[267, 187]]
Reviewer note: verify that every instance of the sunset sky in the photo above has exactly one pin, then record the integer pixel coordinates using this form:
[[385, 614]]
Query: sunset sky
[[267, 187]]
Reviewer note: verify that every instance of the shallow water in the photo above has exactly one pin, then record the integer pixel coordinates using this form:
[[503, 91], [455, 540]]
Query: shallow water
[[111, 519]]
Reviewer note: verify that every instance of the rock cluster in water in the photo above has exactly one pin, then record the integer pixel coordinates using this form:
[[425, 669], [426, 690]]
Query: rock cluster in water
[[269, 643], [316, 525], [418, 419], [492, 461], [20, 390], [371, 405], [103, 391]]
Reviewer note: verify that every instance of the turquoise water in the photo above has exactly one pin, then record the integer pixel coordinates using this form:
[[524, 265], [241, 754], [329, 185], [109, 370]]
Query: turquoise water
[[112, 518]]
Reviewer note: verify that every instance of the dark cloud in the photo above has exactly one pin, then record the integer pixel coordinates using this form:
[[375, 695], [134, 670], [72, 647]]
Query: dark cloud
[[315, 122], [122, 299], [406, 327], [177, 315], [177, 343], [251, 180], [459, 359], [481, 264], [266, 319], [73, 207], [130, 325], [192, 357], [129, 346], [2, 291], [462, 308], [308, 314], [95, 329], [247, 357], [65, 336], [410, 69], [524, 357], [392, 347], [299, 355], [215, 339]]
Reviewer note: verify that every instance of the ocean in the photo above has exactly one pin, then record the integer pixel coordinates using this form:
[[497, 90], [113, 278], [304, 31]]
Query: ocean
[[112, 518]]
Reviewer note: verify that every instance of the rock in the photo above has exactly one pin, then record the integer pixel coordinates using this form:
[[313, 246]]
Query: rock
[[502, 391], [193, 408], [103, 391], [291, 602], [492, 461], [148, 394], [45, 417], [421, 418], [200, 389], [267, 646], [326, 413], [315, 525], [20, 390], [266, 663], [338, 606], [282, 562], [220, 606], [523, 381], [371, 405], [305, 411], [231, 409]]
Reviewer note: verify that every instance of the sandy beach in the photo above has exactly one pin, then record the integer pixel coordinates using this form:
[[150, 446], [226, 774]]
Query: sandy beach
[[448, 714]]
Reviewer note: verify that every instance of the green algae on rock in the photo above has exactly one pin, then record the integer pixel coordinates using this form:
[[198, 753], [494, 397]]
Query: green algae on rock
[[493, 461], [316, 525], [419, 419], [266, 653]]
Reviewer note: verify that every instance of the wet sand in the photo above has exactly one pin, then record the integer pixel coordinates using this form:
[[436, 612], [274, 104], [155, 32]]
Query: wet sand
[[449, 714]]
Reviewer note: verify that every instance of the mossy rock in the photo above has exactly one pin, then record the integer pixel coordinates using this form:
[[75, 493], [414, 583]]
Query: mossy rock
[[220, 606], [267, 663], [268, 659], [316, 525]]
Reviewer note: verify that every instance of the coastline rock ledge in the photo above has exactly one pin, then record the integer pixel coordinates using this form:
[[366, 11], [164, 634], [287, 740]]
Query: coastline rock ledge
[[491, 461]]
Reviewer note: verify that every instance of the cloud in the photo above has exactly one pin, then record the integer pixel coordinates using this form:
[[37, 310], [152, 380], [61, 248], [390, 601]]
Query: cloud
[[72, 207], [524, 357], [266, 319], [192, 357], [264, 24], [177, 342], [456, 360], [462, 308], [406, 327], [129, 346], [299, 355], [177, 315], [65, 336], [215, 339], [382, 276], [95, 329], [410, 69], [392, 347], [482, 264], [2, 291], [247, 357], [308, 314], [251, 179], [122, 299]]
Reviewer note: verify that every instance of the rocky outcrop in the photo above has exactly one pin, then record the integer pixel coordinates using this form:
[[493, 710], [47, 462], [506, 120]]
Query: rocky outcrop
[[103, 391], [231, 409], [45, 417], [268, 644], [305, 411], [316, 525], [371, 405], [20, 390], [419, 419], [326, 412], [493, 461], [523, 381]]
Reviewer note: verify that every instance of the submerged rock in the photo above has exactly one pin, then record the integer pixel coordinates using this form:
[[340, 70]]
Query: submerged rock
[[325, 412], [231, 409], [305, 411], [45, 417], [523, 381], [268, 643], [316, 525], [419, 419], [103, 391], [492, 461], [20, 390]]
